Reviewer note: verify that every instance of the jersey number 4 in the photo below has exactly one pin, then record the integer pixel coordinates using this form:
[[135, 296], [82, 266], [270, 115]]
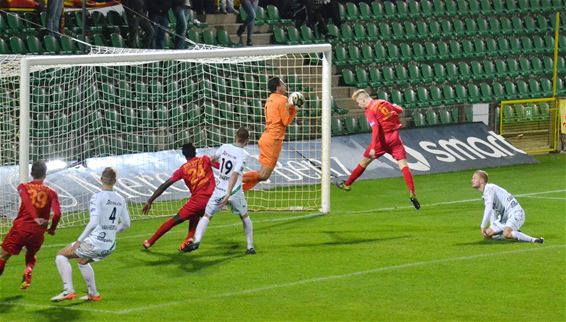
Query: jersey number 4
[[113, 215]]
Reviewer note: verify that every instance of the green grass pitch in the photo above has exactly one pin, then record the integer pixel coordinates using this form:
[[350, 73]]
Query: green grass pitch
[[373, 258]]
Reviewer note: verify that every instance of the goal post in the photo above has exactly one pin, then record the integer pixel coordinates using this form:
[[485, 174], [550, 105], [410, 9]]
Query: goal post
[[134, 110]]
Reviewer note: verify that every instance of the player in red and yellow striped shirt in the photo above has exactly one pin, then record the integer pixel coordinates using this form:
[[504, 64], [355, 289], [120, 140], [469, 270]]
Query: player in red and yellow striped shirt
[[199, 178], [383, 117], [31, 223]]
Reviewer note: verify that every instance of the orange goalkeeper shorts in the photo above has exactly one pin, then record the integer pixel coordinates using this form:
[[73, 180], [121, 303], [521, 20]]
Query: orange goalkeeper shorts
[[269, 150]]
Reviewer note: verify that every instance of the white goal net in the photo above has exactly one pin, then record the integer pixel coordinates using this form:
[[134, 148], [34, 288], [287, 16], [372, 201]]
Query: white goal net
[[133, 111]]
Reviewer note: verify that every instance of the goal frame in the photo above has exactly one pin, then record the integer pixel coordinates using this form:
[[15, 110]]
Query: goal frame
[[27, 63]]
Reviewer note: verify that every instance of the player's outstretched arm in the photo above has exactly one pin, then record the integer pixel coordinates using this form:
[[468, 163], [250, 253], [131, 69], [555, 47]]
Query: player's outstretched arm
[[156, 194]]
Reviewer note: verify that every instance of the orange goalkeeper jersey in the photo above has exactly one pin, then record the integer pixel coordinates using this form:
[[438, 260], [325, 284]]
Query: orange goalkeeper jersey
[[277, 116]]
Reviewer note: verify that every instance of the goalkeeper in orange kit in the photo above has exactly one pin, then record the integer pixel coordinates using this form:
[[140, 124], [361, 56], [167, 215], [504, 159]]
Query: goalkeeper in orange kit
[[279, 113]]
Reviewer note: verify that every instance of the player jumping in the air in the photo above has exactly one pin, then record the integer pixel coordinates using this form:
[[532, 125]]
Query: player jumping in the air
[[199, 178], [383, 117], [31, 223], [279, 113]]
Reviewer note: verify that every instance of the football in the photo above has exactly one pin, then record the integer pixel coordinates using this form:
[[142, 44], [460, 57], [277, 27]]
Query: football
[[296, 99]]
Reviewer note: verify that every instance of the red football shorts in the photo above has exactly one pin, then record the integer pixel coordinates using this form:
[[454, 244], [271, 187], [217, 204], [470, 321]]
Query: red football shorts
[[16, 239], [392, 145], [194, 207], [269, 150]]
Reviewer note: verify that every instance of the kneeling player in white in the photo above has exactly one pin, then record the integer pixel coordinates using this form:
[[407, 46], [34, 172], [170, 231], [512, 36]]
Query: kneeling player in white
[[108, 216], [500, 202], [228, 189]]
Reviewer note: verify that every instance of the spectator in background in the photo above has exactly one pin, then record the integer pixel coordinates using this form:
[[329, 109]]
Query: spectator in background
[[158, 14], [250, 7], [180, 9], [54, 11], [136, 16], [227, 6]]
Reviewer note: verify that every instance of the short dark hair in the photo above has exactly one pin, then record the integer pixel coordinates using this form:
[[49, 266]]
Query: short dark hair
[[38, 169], [189, 150], [273, 84], [108, 176], [242, 135]]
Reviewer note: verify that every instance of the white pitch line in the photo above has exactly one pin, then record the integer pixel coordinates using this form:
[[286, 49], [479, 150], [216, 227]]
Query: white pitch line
[[289, 218], [341, 276], [549, 198]]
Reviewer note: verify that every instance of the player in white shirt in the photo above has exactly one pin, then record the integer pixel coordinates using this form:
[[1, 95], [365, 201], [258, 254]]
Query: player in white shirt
[[231, 158], [108, 216], [502, 210]]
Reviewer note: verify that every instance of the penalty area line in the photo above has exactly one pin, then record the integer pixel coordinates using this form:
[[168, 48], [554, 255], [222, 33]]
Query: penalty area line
[[340, 276]]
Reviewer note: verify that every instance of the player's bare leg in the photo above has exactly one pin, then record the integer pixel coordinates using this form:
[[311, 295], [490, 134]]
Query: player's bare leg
[[4, 255], [358, 171], [408, 177], [252, 178], [165, 227]]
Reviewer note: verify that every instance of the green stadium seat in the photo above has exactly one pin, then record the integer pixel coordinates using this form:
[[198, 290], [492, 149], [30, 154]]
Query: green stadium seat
[[372, 33], [308, 36], [364, 11], [389, 10], [426, 8], [431, 51], [209, 37], [361, 77], [438, 7], [527, 45], [451, 72], [346, 33], [34, 45], [534, 88], [367, 56], [293, 35], [398, 31], [352, 12], [422, 96], [523, 89], [17, 46], [117, 40], [363, 124], [503, 46], [381, 94], [461, 94], [431, 118], [444, 116], [448, 94], [4, 48], [380, 52], [51, 45], [377, 9], [477, 70], [498, 90], [351, 125], [409, 98], [418, 51], [393, 52], [375, 78], [489, 69], [354, 56], [434, 29], [418, 119], [474, 93], [506, 25], [414, 73], [410, 29], [397, 97], [348, 77], [546, 87], [543, 24], [422, 29], [443, 50], [279, 35], [482, 26], [486, 92], [427, 73], [402, 9], [512, 67], [224, 39], [336, 127], [455, 49], [414, 8], [479, 48], [439, 72], [340, 56], [388, 75], [401, 74], [384, 31], [464, 71], [435, 95]]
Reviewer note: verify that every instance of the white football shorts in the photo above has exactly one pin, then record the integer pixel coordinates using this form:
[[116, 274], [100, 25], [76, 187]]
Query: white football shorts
[[237, 202], [90, 250], [515, 221]]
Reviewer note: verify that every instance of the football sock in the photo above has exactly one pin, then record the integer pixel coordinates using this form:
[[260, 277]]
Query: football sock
[[2, 265], [30, 262], [201, 228], [66, 272], [250, 179], [88, 277], [355, 175], [165, 227], [249, 230], [522, 237], [408, 179], [193, 222]]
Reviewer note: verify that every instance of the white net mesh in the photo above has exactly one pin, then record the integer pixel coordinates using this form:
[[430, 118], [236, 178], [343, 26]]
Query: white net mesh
[[135, 117]]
